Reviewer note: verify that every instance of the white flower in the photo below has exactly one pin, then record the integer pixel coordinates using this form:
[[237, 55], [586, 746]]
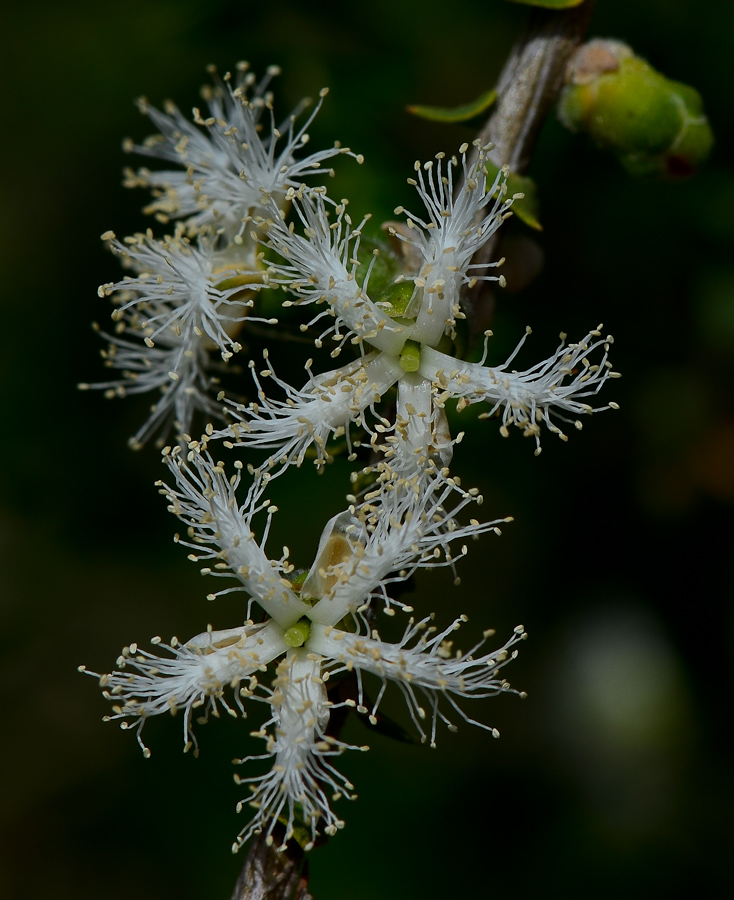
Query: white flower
[[184, 302], [321, 266], [357, 556], [301, 783], [231, 161]]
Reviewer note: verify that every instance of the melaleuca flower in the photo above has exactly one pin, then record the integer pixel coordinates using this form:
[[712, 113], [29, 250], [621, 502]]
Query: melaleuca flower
[[186, 301], [315, 628], [231, 161], [400, 341]]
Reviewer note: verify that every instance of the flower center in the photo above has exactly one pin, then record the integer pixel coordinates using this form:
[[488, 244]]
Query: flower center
[[297, 635], [410, 356]]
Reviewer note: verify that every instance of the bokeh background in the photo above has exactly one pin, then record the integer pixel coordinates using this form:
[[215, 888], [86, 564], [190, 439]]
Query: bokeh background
[[615, 775]]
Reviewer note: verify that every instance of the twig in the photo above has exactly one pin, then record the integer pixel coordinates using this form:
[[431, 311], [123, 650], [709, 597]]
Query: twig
[[528, 87], [530, 82], [272, 875]]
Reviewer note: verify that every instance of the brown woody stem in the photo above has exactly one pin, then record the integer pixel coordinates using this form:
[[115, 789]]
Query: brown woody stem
[[269, 874], [528, 87]]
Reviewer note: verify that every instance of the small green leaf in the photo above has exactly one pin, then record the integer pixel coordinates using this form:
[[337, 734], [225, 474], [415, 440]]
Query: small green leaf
[[526, 209], [301, 835], [550, 4], [386, 267], [457, 113]]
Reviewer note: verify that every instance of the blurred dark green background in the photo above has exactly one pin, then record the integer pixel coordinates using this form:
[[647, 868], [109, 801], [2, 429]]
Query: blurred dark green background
[[615, 775]]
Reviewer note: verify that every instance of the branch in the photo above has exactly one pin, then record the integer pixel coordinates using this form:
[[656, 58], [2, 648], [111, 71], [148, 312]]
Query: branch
[[528, 87], [272, 875]]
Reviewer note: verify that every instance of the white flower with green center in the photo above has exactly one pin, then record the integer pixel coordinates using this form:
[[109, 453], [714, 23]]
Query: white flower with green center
[[231, 161], [307, 630], [400, 341], [184, 302]]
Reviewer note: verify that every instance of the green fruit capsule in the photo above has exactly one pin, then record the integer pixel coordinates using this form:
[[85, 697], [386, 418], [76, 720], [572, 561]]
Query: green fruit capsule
[[656, 127]]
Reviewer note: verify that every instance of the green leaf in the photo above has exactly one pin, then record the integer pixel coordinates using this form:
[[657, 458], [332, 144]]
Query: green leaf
[[550, 4], [526, 209], [457, 113]]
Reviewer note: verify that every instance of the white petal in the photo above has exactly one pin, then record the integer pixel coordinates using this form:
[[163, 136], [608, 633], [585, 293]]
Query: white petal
[[301, 781], [205, 500], [195, 676], [321, 267], [328, 404], [423, 664], [457, 227], [557, 385]]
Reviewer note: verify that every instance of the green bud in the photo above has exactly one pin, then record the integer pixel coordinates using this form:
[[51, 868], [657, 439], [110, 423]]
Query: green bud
[[386, 267], [297, 635], [398, 296], [656, 127]]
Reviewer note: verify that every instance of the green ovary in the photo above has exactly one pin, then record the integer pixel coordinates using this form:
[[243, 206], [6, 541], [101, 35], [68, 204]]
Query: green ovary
[[297, 635], [410, 356]]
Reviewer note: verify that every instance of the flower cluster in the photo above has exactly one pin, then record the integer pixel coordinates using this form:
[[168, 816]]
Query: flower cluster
[[249, 225], [193, 292]]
